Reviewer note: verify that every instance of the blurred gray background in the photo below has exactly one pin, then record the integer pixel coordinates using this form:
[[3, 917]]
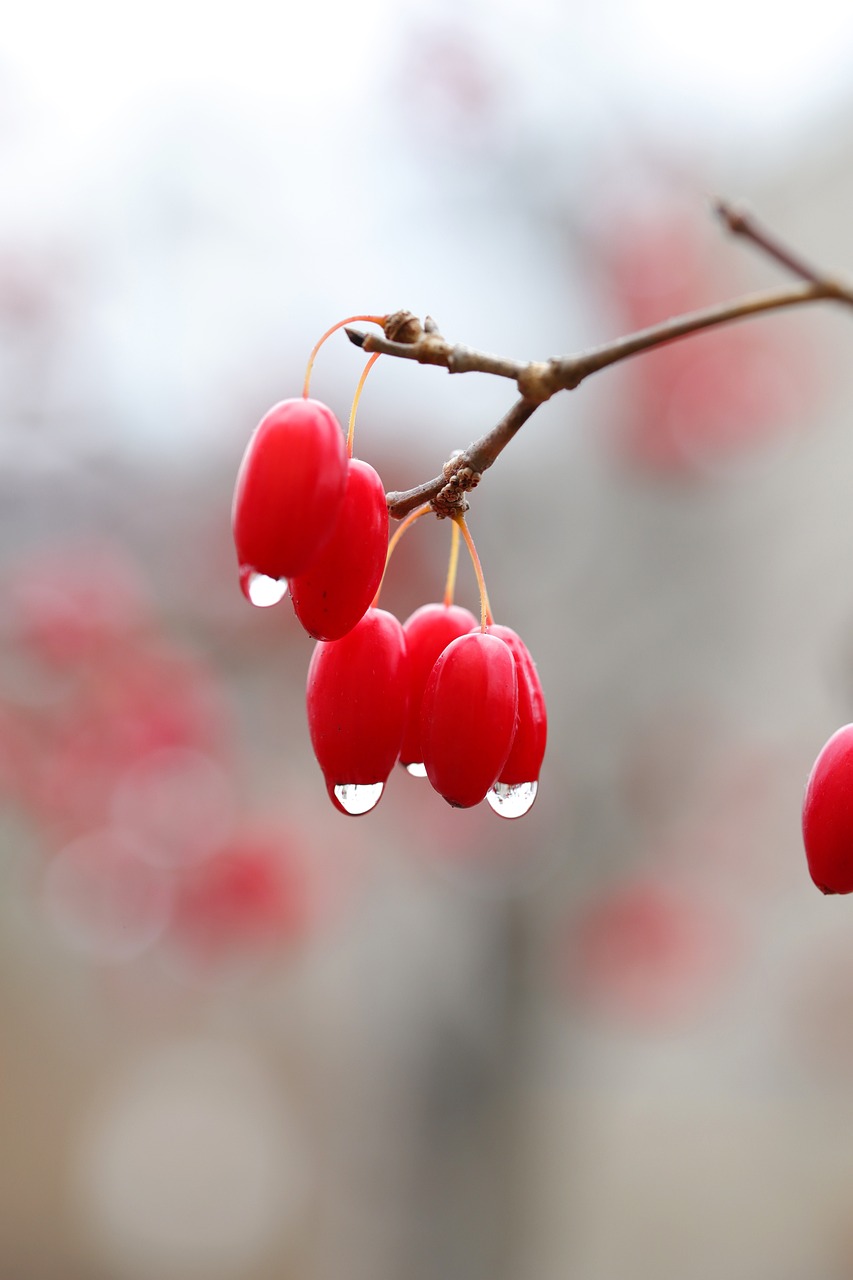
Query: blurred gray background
[[242, 1036]]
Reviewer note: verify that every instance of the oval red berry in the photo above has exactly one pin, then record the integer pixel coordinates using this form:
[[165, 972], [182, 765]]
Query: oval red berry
[[429, 631], [828, 815], [528, 747], [289, 488], [468, 717], [357, 701], [336, 590]]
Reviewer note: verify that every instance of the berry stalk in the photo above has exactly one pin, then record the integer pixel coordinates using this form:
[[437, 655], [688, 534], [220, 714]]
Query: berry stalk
[[453, 565], [380, 320], [485, 608], [354, 409], [395, 538]]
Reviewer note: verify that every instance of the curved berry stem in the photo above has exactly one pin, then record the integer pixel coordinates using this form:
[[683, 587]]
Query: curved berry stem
[[380, 320], [486, 618], [395, 538], [351, 424], [452, 566]]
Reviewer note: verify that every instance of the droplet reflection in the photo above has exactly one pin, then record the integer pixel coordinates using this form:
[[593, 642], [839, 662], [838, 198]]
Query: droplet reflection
[[261, 590], [512, 800], [359, 797]]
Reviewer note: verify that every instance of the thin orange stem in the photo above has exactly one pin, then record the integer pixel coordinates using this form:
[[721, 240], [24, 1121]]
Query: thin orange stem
[[453, 564], [395, 538], [351, 426], [486, 618], [380, 320]]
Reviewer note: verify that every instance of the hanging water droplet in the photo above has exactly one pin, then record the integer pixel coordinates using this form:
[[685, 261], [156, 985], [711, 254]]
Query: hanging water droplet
[[359, 797], [416, 770], [512, 800], [261, 590]]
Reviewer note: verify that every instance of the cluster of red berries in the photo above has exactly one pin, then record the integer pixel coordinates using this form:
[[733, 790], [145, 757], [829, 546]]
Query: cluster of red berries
[[460, 705], [120, 761], [828, 815], [450, 699]]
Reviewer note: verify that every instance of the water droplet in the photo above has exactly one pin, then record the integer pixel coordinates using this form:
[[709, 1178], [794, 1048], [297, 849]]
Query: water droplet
[[261, 590], [359, 797], [512, 800], [416, 770]]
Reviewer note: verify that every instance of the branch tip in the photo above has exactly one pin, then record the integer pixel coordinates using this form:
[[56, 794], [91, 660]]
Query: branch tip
[[356, 337], [735, 216]]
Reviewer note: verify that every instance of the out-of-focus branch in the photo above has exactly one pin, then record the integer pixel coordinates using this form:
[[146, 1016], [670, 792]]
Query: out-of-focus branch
[[741, 221]]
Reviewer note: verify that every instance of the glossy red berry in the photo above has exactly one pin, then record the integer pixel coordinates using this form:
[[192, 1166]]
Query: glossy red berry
[[289, 489], [428, 632], [828, 815], [518, 782], [357, 703], [336, 590], [468, 717]]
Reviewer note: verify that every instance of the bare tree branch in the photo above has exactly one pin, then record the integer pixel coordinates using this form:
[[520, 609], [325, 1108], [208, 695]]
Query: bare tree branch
[[462, 472], [741, 221], [406, 338]]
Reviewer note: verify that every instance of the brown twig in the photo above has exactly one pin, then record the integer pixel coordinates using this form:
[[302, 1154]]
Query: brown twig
[[462, 472], [406, 338], [741, 221]]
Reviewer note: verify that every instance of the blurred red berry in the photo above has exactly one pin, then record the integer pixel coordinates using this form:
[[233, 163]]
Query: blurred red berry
[[252, 894], [650, 953], [20, 756], [690, 407], [70, 607], [140, 700]]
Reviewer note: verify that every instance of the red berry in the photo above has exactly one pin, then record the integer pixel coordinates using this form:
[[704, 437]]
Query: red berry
[[468, 717], [428, 631], [336, 590], [828, 815], [253, 893], [649, 952], [289, 489], [518, 782], [357, 703], [72, 607]]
